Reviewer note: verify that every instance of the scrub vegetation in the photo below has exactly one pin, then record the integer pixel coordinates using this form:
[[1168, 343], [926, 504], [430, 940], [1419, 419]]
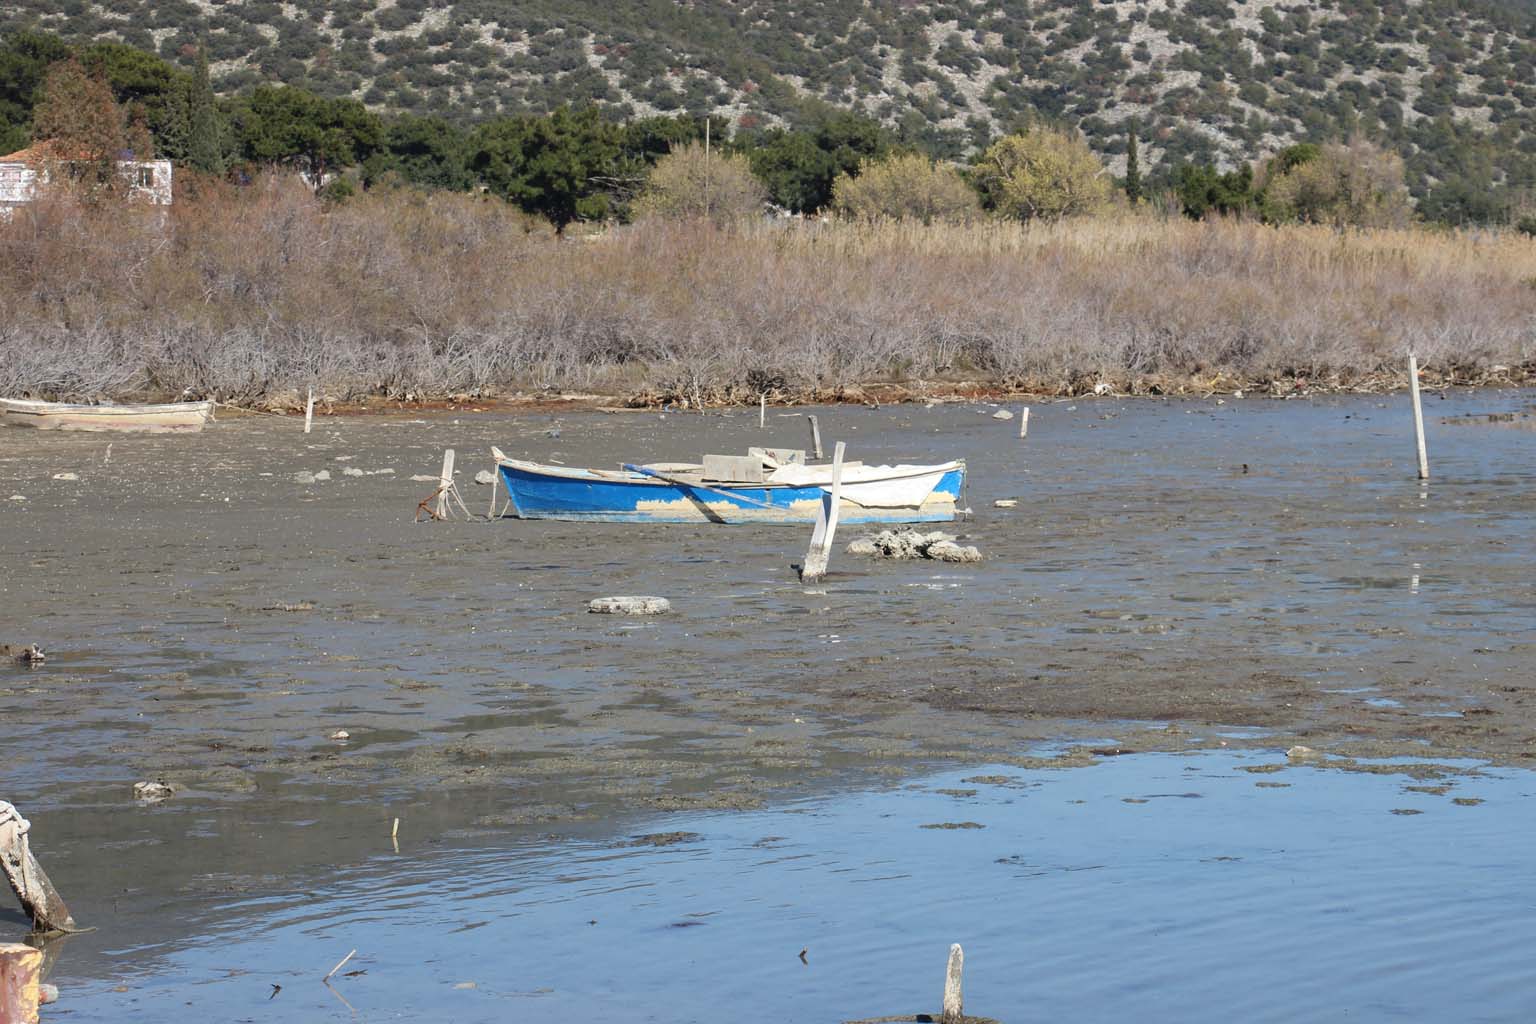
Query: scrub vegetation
[[251, 293]]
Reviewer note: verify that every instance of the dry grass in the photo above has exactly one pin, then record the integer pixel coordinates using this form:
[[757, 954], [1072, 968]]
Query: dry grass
[[250, 295]]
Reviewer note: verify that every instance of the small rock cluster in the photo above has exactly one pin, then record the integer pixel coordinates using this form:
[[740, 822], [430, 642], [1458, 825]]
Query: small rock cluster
[[909, 543]]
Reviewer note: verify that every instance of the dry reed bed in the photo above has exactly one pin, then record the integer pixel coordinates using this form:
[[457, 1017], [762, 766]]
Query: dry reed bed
[[250, 295]]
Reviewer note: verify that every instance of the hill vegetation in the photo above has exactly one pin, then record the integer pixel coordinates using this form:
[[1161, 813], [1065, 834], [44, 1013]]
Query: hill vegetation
[[1450, 85]]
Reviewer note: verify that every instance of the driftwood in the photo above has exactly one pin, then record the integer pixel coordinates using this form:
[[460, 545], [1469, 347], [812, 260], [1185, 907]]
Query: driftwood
[[38, 897]]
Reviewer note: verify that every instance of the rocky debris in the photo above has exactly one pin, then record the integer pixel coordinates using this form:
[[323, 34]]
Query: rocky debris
[[18, 497], [306, 477], [629, 605], [422, 478], [352, 471], [909, 543], [340, 736], [285, 606], [485, 476], [27, 654], [153, 792], [1002, 414], [66, 476]]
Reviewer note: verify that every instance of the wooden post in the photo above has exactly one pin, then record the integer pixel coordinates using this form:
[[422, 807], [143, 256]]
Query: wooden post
[[815, 437], [1418, 415], [309, 411], [762, 410], [444, 482], [1024, 422], [38, 897], [21, 970], [953, 1005], [815, 565]]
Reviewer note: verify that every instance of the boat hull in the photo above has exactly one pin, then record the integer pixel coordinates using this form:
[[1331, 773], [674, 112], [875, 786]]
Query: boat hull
[[180, 416], [581, 496]]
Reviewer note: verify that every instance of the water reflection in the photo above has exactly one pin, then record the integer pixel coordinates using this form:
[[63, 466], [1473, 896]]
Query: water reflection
[[1147, 887]]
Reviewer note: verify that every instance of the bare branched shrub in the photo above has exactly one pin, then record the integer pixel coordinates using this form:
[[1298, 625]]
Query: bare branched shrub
[[253, 294]]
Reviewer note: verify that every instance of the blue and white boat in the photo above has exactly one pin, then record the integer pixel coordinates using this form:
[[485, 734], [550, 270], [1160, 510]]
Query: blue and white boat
[[789, 492]]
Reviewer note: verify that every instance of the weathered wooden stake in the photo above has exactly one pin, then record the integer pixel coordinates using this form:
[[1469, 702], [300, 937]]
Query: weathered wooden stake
[[1024, 422], [954, 1011], [38, 897], [444, 483], [309, 411], [21, 971], [1418, 415], [762, 410], [815, 437], [815, 565]]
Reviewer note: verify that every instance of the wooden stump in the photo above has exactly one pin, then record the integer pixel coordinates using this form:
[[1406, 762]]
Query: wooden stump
[[954, 1007], [1418, 415], [38, 897], [21, 969]]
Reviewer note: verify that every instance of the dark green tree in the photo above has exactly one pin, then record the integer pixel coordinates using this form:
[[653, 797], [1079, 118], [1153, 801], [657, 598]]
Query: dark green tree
[[205, 128], [1203, 189], [284, 125], [24, 59], [797, 172], [425, 151], [1132, 167], [558, 166]]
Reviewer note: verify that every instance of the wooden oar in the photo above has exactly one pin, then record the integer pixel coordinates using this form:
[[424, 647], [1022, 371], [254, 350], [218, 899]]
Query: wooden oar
[[679, 482]]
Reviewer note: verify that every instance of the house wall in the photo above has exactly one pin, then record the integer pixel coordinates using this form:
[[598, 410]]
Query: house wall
[[148, 181], [18, 182]]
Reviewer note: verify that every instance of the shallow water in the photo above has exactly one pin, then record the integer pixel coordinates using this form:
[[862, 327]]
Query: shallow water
[[1148, 887], [1176, 576]]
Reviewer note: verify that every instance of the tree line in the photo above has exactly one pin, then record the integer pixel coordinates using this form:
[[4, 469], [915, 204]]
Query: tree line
[[579, 164]]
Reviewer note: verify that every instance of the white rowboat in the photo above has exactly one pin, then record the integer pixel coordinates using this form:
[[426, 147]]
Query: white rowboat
[[21, 412]]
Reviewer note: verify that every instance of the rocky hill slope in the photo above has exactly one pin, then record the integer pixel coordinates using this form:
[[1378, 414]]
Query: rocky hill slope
[[1451, 84]]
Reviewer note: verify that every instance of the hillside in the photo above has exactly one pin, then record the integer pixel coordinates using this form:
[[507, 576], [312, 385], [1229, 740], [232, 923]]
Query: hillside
[[1452, 85]]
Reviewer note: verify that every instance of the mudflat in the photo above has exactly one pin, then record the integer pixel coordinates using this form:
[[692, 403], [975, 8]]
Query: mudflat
[[1175, 575]]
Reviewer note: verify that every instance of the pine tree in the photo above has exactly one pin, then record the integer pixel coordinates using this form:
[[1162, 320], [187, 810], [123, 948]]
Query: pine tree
[[1132, 168], [205, 150]]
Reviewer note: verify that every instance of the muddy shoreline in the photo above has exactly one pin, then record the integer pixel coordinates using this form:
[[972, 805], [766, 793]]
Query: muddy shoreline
[[1043, 388], [1178, 575]]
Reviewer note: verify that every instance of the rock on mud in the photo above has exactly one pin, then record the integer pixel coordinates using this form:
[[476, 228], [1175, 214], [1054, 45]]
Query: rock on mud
[[153, 792], [485, 476], [306, 477], [909, 543], [66, 476], [1002, 414], [629, 605]]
